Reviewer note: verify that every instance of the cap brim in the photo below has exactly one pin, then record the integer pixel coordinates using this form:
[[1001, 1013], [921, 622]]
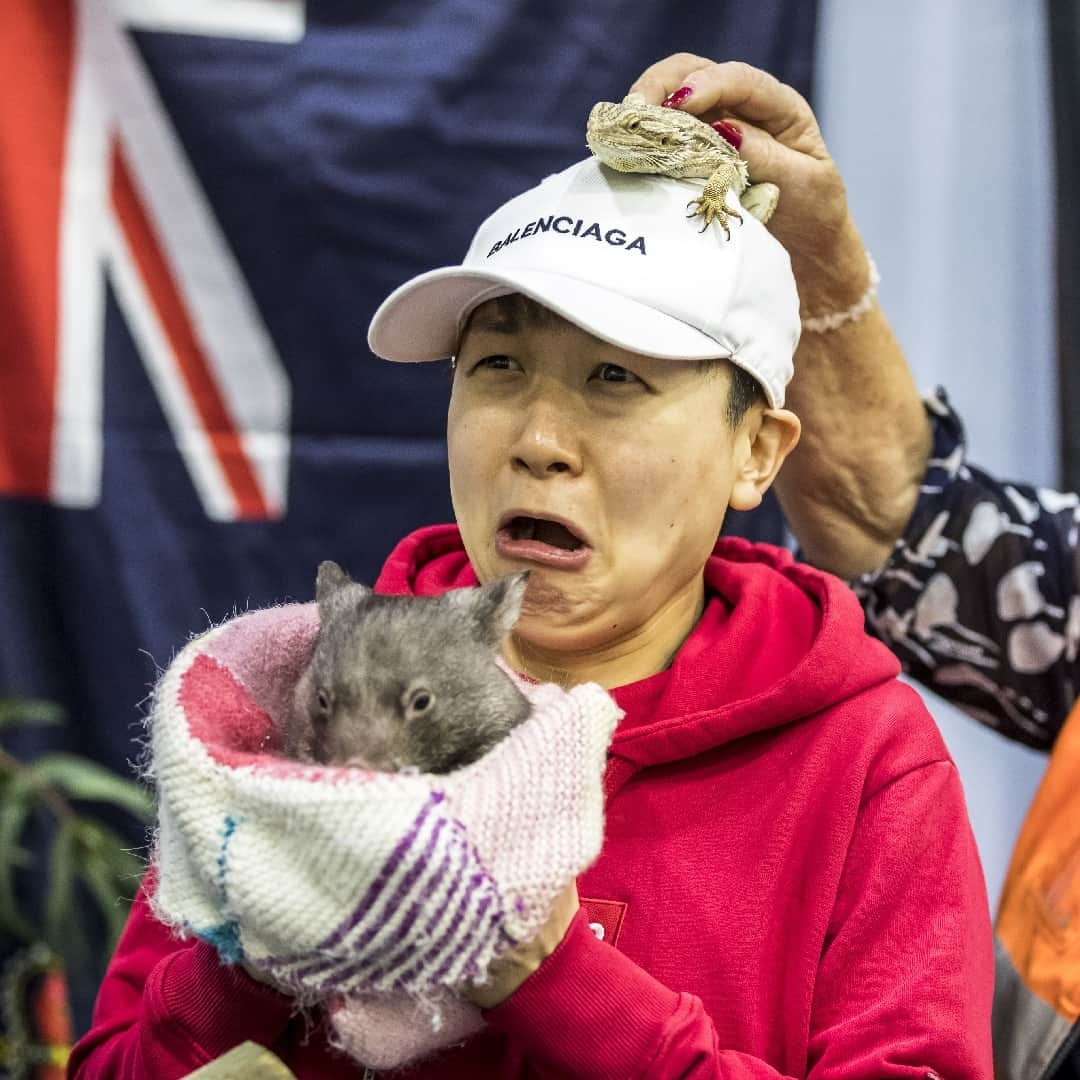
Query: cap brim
[[422, 319]]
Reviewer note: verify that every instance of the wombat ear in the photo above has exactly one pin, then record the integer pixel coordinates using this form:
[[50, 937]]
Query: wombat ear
[[329, 580], [333, 585], [497, 605]]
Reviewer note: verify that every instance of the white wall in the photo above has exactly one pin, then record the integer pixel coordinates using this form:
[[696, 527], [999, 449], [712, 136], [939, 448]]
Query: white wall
[[939, 115]]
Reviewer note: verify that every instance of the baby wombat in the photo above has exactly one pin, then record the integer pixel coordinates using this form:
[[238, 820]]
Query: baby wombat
[[400, 681]]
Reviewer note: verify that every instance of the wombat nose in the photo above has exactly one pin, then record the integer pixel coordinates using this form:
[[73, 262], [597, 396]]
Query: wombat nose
[[380, 756]]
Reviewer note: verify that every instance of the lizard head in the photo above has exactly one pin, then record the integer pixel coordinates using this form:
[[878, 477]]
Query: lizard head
[[622, 134]]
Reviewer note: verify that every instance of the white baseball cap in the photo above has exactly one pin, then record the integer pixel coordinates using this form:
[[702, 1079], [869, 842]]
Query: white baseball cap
[[616, 255]]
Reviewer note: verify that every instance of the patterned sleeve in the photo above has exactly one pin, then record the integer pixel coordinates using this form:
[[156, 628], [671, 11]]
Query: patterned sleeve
[[979, 599]]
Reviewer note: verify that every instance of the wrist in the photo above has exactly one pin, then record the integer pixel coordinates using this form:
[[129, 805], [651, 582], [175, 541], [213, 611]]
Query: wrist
[[832, 275], [504, 978], [827, 321], [217, 1005]]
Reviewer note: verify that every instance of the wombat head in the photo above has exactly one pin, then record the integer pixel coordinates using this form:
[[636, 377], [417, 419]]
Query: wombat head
[[401, 681]]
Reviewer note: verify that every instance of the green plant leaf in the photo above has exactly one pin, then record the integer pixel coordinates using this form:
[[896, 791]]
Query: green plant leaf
[[21, 858], [17, 797], [81, 778], [65, 859], [112, 874], [115, 851], [108, 895], [16, 711]]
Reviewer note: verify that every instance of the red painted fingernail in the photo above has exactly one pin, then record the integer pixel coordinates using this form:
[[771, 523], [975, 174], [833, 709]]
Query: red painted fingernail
[[677, 97], [729, 132]]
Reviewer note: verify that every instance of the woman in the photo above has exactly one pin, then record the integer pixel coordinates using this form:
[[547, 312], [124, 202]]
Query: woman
[[786, 848]]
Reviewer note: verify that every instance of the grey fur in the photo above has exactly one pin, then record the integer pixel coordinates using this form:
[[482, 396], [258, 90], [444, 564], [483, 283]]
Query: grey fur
[[401, 681]]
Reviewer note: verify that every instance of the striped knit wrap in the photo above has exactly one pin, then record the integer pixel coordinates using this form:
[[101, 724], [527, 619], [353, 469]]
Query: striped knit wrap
[[349, 887]]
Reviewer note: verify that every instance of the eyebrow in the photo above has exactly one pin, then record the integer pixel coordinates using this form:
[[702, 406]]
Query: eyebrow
[[500, 320]]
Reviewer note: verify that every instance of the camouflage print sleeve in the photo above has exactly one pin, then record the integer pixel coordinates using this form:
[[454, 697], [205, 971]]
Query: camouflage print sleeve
[[979, 599]]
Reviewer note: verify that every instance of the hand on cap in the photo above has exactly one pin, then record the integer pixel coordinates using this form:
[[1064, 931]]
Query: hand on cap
[[781, 142]]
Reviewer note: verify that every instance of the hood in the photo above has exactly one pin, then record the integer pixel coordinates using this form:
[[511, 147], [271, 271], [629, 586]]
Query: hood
[[778, 642]]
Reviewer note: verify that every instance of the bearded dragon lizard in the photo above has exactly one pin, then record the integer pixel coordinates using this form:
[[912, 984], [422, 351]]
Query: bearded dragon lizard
[[635, 137]]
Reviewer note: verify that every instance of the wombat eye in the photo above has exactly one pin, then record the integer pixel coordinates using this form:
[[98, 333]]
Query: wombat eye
[[419, 701], [322, 698]]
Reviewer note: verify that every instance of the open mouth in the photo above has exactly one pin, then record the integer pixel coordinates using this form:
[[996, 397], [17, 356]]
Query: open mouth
[[551, 533], [542, 541]]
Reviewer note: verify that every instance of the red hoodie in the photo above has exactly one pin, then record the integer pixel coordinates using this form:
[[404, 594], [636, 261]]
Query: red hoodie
[[788, 885]]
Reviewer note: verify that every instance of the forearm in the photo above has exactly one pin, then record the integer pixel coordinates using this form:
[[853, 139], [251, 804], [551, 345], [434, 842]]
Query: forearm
[[979, 599], [192, 1011], [577, 993], [590, 1011], [167, 1007], [849, 488]]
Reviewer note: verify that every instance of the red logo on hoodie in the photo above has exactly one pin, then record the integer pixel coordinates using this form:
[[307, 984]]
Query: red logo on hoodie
[[605, 918]]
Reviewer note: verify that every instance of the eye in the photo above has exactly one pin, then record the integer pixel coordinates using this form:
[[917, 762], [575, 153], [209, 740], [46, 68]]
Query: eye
[[419, 702], [496, 362], [322, 700], [614, 373]]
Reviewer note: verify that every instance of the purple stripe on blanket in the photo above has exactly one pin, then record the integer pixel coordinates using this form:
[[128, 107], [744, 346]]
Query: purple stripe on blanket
[[474, 939], [464, 849], [406, 925], [478, 882], [379, 918], [461, 886], [398, 935], [371, 896], [470, 969], [478, 942]]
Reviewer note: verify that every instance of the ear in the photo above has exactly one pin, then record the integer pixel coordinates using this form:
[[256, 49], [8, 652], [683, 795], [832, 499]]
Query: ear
[[497, 605], [333, 586], [763, 441], [329, 580]]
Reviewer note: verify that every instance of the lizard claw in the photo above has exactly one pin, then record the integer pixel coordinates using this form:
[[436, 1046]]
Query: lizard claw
[[709, 210]]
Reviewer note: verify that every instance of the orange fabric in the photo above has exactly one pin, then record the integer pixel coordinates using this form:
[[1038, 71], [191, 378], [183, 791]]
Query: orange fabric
[[1039, 917], [35, 56]]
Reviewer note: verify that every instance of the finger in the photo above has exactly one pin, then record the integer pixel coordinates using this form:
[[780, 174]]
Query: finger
[[751, 94], [660, 79], [802, 139], [565, 907], [767, 159], [811, 191]]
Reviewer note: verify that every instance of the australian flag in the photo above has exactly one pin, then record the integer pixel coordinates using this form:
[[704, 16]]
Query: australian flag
[[201, 204]]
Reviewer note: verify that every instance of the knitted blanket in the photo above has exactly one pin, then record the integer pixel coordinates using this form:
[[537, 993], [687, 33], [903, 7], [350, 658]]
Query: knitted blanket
[[375, 895]]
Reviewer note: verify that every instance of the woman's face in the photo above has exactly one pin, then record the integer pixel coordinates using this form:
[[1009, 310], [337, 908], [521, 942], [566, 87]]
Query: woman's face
[[605, 473]]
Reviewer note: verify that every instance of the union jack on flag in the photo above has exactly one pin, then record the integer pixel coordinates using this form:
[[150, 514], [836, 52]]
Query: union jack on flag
[[97, 185]]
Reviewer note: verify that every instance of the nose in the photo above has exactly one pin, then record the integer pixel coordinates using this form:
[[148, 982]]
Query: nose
[[548, 440]]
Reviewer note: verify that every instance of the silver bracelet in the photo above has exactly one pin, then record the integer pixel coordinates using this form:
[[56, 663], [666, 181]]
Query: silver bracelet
[[822, 324]]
